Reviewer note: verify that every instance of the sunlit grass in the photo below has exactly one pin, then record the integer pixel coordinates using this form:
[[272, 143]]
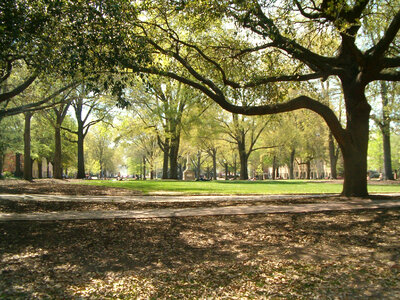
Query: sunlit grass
[[237, 187]]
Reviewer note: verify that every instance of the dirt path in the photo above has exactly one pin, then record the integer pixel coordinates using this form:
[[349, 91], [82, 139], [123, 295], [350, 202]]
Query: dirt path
[[187, 212]]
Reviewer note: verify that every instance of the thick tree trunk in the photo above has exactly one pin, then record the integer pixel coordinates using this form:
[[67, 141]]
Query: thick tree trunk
[[243, 157], [355, 147], [274, 168], [165, 149], [40, 173], [332, 157], [27, 147], [291, 164], [308, 169], [173, 157], [57, 167], [244, 175], [18, 171]]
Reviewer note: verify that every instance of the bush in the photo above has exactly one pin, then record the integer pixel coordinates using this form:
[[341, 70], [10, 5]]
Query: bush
[[7, 174]]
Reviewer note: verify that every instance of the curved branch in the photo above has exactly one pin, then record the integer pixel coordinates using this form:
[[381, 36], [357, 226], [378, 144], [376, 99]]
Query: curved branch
[[7, 72], [297, 103], [185, 64], [36, 105], [254, 49], [313, 60], [292, 78], [301, 102], [305, 14], [391, 62], [388, 76], [19, 89], [383, 45]]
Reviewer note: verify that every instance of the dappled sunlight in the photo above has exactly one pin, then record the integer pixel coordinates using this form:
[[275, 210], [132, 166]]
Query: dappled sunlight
[[308, 255]]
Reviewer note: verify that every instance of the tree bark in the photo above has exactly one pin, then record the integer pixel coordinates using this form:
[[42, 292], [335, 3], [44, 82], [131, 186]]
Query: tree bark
[[243, 157], [308, 169], [1, 164], [291, 164], [173, 156], [355, 147], [27, 147], [78, 107], [234, 167], [214, 159], [387, 156], [18, 171], [274, 168], [57, 168], [165, 150], [40, 173], [385, 129], [244, 175], [144, 168], [81, 153], [332, 157], [198, 165]]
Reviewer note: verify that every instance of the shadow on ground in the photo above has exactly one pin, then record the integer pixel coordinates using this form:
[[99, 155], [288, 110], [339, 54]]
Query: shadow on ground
[[346, 255]]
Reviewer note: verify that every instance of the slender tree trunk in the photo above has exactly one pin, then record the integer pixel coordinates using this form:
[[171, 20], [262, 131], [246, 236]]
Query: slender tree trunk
[[226, 170], [57, 168], [332, 157], [144, 168], [198, 164], [81, 155], [214, 158], [385, 129], [234, 167], [387, 155], [151, 172], [1, 164], [27, 147], [291, 164], [355, 147]]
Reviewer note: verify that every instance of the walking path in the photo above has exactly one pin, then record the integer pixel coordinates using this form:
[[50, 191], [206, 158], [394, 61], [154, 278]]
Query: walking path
[[185, 212], [164, 198]]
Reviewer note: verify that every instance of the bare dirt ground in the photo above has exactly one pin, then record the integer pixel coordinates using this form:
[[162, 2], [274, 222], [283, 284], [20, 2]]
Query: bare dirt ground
[[59, 187], [65, 187], [336, 255]]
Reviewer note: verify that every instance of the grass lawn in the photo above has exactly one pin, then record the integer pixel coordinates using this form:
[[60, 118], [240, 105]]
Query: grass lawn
[[239, 187]]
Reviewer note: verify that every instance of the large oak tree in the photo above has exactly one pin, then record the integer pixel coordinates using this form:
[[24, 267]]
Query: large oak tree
[[280, 28]]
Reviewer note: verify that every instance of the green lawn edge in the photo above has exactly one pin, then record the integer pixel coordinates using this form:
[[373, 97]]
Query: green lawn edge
[[265, 187]]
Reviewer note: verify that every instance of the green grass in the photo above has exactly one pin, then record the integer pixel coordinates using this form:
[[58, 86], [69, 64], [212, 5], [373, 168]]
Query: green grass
[[238, 187]]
